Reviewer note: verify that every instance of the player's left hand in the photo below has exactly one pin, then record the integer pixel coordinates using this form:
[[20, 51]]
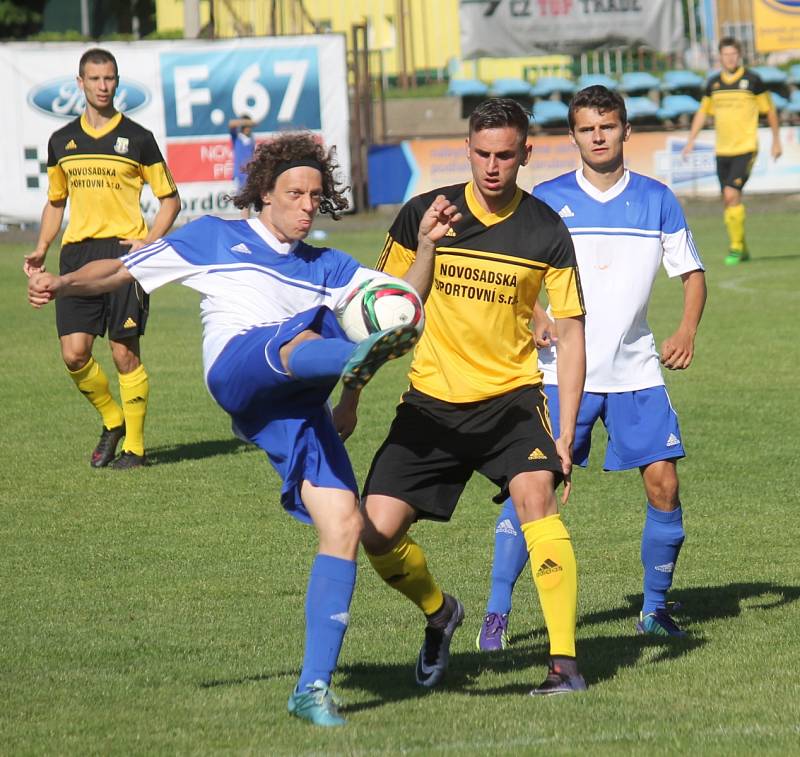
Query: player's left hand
[[564, 450], [438, 219], [677, 351], [345, 419], [134, 244]]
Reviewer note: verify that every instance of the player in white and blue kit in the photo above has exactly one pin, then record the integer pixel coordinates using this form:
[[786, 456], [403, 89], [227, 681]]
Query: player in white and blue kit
[[624, 226], [273, 351]]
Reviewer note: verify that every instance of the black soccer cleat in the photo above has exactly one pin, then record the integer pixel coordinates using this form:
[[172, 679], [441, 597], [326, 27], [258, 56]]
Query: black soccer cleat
[[128, 461], [106, 447], [559, 682], [435, 653]]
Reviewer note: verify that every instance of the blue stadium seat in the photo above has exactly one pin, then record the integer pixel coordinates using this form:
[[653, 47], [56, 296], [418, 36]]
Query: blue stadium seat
[[638, 81], [509, 87], [467, 88], [589, 80], [549, 113], [794, 74], [794, 103], [771, 75], [641, 109], [675, 106], [677, 79], [550, 85], [779, 101]]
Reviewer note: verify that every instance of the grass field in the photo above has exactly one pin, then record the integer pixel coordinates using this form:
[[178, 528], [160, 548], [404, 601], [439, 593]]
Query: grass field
[[160, 611]]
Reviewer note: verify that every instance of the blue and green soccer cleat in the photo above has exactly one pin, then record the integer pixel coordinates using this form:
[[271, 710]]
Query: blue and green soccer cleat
[[659, 623], [317, 704], [374, 351]]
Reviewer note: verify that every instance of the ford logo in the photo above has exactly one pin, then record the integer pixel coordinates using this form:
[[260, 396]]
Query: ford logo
[[63, 98]]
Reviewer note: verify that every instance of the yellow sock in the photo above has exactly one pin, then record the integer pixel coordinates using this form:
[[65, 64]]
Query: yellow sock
[[555, 575], [92, 383], [734, 222], [134, 389], [404, 568]]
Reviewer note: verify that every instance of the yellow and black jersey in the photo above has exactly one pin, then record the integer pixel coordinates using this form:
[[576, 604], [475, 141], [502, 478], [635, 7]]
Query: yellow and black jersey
[[102, 171], [735, 100], [477, 341]]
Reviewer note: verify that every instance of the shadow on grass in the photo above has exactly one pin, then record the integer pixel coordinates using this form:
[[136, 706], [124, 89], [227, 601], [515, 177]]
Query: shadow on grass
[[176, 453], [602, 656]]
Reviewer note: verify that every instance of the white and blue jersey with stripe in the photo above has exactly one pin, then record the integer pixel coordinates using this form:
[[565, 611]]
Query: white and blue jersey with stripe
[[622, 236], [246, 277]]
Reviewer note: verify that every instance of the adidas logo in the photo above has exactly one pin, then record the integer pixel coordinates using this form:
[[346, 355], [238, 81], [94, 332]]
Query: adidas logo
[[129, 323], [450, 233], [548, 567], [241, 247], [665, 568], [566, 212], [342, 617], [71, 145], [537, 454], [506, 527], [673, 440]]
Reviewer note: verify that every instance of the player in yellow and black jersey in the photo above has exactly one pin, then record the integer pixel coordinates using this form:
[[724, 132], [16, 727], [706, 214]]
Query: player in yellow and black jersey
[[735, 97], [100, 162], [475, 401]]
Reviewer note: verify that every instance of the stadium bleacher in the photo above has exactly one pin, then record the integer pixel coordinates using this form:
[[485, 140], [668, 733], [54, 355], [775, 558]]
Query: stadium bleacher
[[510, 87], [591, 80], [547, 86], [549, 113]]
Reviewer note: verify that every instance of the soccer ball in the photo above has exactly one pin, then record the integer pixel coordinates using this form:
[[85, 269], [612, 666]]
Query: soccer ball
[[379, 304]]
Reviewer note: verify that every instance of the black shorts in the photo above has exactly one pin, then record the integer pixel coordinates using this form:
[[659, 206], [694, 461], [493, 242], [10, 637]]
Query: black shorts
[[433, 448], [123, 312], [734, 170]]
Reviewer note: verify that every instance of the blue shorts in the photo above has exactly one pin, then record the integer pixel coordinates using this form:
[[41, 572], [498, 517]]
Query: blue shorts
[[642, 426], [287, 418]]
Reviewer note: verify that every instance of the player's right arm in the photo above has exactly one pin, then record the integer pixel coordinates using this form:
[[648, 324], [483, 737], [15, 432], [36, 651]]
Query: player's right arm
[[698, 122], [97, 277], [52, 216]]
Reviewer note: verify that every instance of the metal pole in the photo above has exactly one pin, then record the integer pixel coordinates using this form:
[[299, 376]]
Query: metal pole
[[692, 24], [85, 28], [191, 18]]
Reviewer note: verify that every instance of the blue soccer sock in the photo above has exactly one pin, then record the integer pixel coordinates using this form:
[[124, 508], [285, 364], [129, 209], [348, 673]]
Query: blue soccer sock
[[320, 361], [330, 589], [510, 556], [662, 539]]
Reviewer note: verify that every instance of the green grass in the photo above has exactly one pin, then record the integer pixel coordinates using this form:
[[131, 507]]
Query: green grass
[[161, 611]]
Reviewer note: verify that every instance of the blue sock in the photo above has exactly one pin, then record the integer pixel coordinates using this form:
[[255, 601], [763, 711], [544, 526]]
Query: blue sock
[[330, 589], [662, 539], [510, 556], [320, 361]]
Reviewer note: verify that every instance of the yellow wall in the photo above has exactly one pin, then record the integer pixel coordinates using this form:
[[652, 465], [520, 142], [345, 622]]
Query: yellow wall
[[433, 39]]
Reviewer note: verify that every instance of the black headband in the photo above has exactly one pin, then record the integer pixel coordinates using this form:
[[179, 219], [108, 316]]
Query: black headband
[[287, 164]]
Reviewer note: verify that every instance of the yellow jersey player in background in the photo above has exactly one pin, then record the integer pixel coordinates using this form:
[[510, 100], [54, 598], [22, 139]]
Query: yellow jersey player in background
[[735, 97], [100, 162]]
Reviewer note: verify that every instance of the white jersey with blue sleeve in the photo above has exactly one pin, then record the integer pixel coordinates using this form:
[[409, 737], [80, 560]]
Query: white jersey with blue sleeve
[[246, 277], [621, 236]]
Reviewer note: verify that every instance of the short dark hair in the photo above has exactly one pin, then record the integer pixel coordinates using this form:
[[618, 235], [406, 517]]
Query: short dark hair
[[730, 42], [599, 98], [497, 113], [97, 55], [262, 171]]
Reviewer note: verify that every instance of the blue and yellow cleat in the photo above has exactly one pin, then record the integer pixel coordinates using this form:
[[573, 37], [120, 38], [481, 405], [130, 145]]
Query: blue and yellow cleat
[[659, 623], [317, 704], [372, 352], [734, 257]]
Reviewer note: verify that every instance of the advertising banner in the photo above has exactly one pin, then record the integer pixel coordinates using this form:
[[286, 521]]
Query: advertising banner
[[399, 172], [776, 24], [508, 28], [185, 92]]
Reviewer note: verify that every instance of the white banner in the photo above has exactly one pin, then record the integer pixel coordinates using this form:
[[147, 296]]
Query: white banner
[[185, 92], [516, 28]]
